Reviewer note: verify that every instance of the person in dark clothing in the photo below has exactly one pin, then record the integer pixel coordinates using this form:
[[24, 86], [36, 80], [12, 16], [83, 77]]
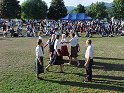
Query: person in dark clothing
[[51, 43], [12, 32]]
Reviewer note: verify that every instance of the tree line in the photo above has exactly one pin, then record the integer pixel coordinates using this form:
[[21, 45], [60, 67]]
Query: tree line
[[38, 9]]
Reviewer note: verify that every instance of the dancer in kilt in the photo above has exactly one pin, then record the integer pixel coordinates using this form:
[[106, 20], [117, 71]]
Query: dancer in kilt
[[74, 51], [51, 43], [57, 58]]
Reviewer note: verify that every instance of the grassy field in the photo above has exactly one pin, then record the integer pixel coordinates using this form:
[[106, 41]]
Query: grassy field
[[17, 64]]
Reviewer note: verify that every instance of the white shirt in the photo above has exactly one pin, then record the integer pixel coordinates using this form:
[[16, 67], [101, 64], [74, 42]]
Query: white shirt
[[62, 42], [89, 52], [57, 45], [73, 42], [41, 38], [39, 51]]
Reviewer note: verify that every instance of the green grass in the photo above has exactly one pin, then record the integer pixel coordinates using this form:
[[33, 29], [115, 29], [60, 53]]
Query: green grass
[[17, 63]]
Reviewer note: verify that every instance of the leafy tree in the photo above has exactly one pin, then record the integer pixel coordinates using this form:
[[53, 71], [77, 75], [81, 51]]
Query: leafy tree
[[79, 9], [10, 9], [110, 12], [98, 10], [118, 9], [34, 9], [26, 6], [57, 10]]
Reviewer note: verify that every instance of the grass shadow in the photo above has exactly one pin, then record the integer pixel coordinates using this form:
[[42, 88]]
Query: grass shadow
[[108, 66], [110, 82], [113, 80], [102, 58], [92, 85], [108, 77]]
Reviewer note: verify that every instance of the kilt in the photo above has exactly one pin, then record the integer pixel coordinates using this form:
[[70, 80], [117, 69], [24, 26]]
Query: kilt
[[56, 60], [51, 51], [51, 54], [74, 52], [77, 46], [64, 51], [39, 68]]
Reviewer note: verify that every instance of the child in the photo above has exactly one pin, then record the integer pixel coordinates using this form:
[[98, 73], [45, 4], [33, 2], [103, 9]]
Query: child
[[40, 37], [39, 68]]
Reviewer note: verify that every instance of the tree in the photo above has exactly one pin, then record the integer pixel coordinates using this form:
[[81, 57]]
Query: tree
[[118, 9], [110, 12], [98, 10], [34, 9], [57, 10], [10, 9], [79, 9], [26, 6]]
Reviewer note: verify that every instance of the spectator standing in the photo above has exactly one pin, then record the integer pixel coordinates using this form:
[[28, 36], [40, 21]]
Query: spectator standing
[[89, 60]]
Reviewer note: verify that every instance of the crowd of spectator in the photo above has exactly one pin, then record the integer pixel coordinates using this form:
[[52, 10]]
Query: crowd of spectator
[[30, 28]]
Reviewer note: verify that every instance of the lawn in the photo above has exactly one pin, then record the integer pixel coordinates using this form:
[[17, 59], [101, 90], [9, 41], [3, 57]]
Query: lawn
[[17, 68]]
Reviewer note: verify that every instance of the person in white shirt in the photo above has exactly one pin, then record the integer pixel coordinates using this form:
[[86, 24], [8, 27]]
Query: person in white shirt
[[39, 68], [77, 46], [73, 44], [57, 58], [40, 37], [89, 60]]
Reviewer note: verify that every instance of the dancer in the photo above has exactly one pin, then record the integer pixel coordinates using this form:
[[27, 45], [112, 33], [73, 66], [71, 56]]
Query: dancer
[[51, 43], [74, 43], [39, 68], [40, 37], [64, 48], [57, 58]]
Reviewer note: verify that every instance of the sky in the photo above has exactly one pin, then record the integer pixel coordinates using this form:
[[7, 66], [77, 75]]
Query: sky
[[75, 2]]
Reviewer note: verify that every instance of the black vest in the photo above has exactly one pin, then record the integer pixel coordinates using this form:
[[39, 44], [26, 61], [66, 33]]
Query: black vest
[[51, 45]]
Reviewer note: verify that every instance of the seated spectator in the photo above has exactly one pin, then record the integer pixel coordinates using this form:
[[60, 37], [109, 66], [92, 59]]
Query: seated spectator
[[12, 32], [4, 33], [122, 34]]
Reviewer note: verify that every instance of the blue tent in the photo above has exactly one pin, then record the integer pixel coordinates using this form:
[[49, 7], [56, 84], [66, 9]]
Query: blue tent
[[69, 17], [66, 18], [79, 16]]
